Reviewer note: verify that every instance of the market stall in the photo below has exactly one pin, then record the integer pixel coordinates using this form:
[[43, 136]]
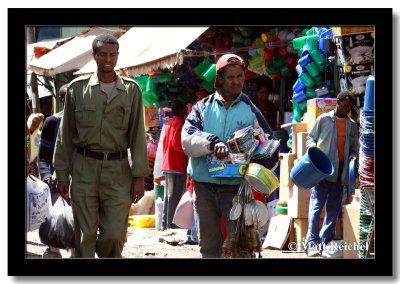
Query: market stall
[[70, 56]]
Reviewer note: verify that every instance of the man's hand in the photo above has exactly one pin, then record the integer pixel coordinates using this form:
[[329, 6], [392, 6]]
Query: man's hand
[[137, 189], [63, 189], [49, 181], [221, 150]]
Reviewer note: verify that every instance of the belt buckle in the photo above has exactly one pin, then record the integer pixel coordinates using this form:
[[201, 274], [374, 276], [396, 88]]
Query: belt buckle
[[105, 155]]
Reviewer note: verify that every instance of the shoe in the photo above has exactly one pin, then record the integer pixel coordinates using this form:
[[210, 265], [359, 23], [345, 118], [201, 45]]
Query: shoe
[[313, 250], [49, 253], [332, 254], [332, 250]]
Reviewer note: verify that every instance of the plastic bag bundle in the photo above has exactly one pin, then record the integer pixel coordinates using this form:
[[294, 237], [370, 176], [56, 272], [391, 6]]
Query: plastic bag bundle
[[58, 228], [38, 202], [184, 212]]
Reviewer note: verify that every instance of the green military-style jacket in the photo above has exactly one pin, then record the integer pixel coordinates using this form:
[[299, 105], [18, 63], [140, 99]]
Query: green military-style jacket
[[92, 120]]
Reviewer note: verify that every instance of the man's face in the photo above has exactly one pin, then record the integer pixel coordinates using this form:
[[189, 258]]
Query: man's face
[[262, 94], [106, 56], [344, 107], [232, 80]]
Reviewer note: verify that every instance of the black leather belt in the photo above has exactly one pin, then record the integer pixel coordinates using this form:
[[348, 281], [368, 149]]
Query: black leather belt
[[102, 155]]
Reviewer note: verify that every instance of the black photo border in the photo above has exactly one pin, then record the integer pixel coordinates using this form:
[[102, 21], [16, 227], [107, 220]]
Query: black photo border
[[19, 18]]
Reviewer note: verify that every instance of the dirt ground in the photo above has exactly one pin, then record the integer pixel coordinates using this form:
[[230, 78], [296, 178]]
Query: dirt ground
[[150, 243]]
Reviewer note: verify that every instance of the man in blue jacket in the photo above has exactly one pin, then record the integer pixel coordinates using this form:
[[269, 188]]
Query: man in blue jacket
[[206, 131]]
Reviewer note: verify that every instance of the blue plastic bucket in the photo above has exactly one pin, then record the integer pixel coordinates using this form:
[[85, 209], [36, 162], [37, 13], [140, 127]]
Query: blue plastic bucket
[[298, 86], [304, 60], [299, 97], [312, 168]]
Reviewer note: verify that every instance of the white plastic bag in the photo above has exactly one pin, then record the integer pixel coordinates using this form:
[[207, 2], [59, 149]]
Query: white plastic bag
[[184, 212], [158, 212], [157, 172], [38, 202], [58, 228], [145, 205]]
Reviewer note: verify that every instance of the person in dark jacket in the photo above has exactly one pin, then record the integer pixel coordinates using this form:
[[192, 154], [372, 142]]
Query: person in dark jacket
[[46, 147], [45, 158]]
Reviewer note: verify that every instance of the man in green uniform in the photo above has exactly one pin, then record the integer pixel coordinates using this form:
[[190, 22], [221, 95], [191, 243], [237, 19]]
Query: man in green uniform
[[103, 117]]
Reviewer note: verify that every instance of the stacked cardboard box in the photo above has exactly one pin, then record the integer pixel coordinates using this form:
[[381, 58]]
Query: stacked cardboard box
[[300, 228], [316, 107], [351, 232], [299, 199], [355, 58]]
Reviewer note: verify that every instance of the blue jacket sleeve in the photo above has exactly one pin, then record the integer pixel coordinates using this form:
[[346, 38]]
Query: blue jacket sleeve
[[196, 142], [46, 147]]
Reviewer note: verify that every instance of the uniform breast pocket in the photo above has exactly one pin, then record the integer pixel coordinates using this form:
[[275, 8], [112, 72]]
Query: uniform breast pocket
[[85, 115], [119, 117]]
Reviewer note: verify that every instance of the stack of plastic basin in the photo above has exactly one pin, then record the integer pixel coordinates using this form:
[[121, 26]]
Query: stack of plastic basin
[[367, 137]]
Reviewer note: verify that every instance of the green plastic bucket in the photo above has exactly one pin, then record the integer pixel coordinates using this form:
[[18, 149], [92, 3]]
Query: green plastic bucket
[[202, 67], [210, 73]]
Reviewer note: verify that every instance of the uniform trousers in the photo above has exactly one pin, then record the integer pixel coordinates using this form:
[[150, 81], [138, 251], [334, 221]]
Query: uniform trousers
[[100, 200]]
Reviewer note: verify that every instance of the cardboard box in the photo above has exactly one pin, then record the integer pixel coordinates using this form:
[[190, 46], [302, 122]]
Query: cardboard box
[[355, 48], [300, 227], [351, 30], [151, 117], [296, 128], [353, 78], [316, 107], [301, 144], [299, 202], [351, 227], [221, 169], [278, 232], [285, 182], [284, 192]]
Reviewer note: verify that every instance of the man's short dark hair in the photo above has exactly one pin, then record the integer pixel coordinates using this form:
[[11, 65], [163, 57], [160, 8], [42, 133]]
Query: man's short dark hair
[[345, 94], [177, 107], [62, 92], [104, 38]]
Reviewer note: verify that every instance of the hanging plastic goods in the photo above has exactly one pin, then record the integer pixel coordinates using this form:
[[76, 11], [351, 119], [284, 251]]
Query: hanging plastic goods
[[237, 204], [249, 216]]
